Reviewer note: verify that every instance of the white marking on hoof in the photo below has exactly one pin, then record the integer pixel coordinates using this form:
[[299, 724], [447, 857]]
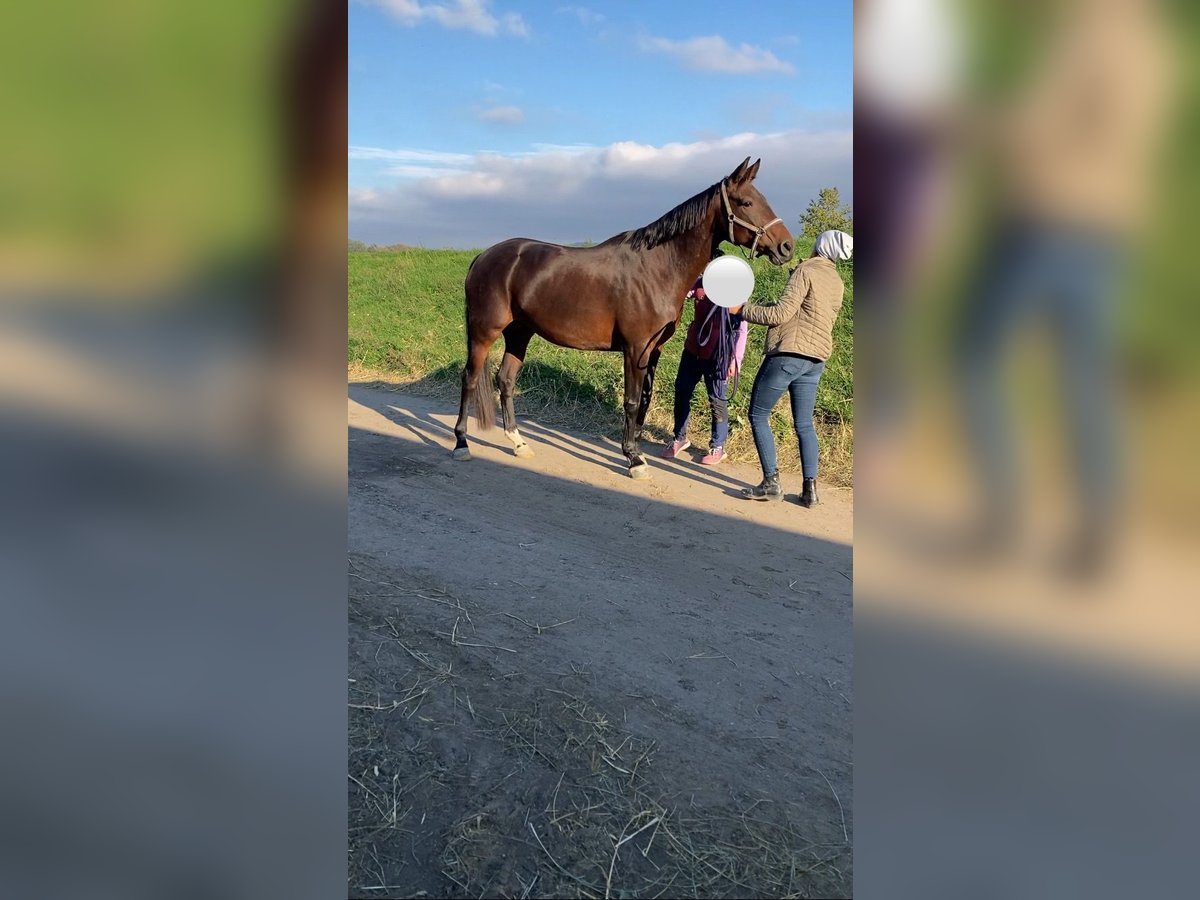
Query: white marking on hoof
[[461, 453], [520, 448], [639, 471]]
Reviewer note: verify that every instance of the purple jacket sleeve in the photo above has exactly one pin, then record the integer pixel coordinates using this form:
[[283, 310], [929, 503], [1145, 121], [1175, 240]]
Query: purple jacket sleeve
[[739, 349]]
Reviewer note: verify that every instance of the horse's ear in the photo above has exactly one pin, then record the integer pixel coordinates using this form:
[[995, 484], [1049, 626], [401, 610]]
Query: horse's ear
[[753, 170], [739, 174]]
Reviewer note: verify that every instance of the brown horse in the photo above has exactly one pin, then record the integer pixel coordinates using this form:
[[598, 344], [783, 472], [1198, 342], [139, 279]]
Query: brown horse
[[626, 294]]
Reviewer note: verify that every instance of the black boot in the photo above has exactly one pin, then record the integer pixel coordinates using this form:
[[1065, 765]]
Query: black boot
[[768, 490], [809, 496]]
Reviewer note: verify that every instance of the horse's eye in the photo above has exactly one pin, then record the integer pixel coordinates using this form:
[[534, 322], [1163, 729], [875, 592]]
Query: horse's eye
[[745, 203]]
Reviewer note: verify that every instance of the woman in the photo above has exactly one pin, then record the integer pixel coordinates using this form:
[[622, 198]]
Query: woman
[[713, 351], [799, 341]]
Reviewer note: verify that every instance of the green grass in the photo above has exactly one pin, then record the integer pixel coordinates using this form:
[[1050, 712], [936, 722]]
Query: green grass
[[406, 327]]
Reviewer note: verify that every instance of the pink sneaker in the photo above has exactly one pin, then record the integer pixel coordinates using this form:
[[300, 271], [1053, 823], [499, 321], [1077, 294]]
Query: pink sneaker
[[674, 448], [715, 456]]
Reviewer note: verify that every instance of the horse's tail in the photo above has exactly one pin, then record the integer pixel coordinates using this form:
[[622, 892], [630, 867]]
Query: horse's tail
[[483, 400], [467, 299]]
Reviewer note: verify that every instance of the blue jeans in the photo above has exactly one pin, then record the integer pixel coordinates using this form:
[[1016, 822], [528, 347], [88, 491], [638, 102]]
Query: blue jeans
[[1068, 280], [691, 370], [799, 377]]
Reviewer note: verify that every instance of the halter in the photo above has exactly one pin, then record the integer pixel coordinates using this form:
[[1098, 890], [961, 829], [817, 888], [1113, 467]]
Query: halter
[[759, 230]]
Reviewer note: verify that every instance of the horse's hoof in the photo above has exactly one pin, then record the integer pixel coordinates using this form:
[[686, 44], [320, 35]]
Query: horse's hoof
[[524, 451], [641, 470], [461, 453]]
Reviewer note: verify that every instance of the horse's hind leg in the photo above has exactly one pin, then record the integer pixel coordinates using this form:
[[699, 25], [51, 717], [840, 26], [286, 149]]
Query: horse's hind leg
[[475, 388], [647, 390], [516, 341], [634, 379]]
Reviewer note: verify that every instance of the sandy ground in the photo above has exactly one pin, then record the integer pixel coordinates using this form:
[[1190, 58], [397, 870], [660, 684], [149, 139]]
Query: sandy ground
[[547, 656]]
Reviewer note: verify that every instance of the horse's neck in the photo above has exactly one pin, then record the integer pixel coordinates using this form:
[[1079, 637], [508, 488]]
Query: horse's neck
[[691, 251]]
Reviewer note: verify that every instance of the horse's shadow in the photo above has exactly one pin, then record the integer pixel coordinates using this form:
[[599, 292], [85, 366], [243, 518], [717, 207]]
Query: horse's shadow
[[602, 451], [432, 433], [592, 451]]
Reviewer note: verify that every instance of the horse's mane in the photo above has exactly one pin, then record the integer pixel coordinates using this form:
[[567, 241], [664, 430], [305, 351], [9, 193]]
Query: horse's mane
[[682, 218]]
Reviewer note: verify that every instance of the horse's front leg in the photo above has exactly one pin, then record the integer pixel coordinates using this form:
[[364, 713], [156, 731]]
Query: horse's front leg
[[634, 380]]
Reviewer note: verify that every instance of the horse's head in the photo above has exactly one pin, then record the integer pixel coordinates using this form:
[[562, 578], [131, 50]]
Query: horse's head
[[748, 218]]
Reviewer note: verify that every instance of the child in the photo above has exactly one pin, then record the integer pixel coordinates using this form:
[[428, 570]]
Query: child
[[713, 350]]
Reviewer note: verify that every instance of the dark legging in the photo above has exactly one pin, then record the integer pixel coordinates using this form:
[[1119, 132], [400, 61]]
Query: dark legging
[[799, 377], [691, 370]]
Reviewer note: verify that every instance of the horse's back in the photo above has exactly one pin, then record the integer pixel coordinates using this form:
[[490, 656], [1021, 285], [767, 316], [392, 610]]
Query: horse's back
[[497, 265], [564, 294], [521, 265]]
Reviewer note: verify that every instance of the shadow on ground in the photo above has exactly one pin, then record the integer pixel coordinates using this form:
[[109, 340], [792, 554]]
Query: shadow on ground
[[554, 396], [559, 689], [605, 453]]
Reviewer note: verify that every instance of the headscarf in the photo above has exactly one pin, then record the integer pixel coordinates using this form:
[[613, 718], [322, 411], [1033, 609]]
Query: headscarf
[[834, 245]]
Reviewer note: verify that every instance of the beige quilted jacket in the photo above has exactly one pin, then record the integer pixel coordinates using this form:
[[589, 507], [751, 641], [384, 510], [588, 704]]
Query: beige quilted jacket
[[802, 321]]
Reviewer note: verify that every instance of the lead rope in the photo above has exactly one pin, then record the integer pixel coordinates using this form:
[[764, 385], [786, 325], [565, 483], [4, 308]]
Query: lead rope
[[726, 350]]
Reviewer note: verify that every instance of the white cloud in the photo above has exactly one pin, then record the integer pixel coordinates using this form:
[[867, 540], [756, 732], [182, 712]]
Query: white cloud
[[419, 171], [469, 15], [514, 24], [410, 156], [714, 54], [575, 193], [585, 15], [559, 148], [505, 115]]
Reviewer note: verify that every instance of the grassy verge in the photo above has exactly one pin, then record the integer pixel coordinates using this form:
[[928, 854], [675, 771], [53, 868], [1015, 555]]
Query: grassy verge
[[406, 328]]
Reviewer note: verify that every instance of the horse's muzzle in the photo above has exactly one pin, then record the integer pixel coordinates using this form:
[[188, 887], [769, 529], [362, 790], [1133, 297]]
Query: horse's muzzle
[[780, 254]]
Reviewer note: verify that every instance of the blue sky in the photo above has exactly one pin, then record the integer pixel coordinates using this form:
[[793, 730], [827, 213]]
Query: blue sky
[[569, 122]]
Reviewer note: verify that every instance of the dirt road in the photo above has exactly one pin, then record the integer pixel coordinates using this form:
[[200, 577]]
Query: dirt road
[[563, 680]]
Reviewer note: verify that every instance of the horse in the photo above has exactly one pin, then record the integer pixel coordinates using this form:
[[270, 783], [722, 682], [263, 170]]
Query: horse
[[626, 294]]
